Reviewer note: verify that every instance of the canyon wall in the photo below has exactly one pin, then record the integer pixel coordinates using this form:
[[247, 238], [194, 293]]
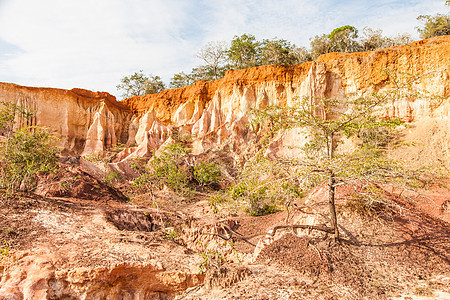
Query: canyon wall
[[217, 112], [79, 118]]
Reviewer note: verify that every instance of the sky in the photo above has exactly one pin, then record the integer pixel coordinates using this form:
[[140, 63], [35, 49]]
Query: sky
[[93, 44]]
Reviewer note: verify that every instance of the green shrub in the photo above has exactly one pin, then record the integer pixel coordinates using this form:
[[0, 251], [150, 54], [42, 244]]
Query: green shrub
[[264, 186], [260, 202], [166, 170], [28, 152], [238, 191], [207, 174], [210, 259], [257, 209], [96, 158], [170, 235]]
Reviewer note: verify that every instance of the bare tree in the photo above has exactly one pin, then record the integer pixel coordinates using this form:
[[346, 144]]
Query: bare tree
[[214, 54]]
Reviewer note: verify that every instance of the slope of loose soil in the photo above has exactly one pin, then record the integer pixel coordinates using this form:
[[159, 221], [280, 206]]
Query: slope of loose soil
[[400, 251], [63, 247]]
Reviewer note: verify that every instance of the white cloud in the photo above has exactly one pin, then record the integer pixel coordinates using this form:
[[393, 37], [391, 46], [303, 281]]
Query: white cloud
[[92, 44], [82, 39]]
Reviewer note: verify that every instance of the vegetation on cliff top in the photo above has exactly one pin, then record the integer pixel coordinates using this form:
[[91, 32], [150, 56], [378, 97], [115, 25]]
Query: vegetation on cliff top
[[246, 51]]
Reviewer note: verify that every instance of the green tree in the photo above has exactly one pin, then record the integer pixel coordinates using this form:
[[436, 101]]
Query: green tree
[[319, 45], [434, 25], [373, 40], [300, 55], [401, 39], [281, 52], [341, 39], [329, 120], [180, 80], [205, 73], [244, 51], [276, 52], [139, 84]]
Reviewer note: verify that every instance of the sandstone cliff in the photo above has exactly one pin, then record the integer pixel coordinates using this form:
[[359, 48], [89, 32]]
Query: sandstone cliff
[[80, 118], [217, 112]]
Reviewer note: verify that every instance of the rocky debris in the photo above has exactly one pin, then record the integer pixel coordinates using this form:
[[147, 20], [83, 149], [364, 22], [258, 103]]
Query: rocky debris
[[225, 276]]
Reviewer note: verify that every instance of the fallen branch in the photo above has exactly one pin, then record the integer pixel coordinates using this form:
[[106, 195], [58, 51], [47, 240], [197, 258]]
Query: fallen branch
[[236, 235]]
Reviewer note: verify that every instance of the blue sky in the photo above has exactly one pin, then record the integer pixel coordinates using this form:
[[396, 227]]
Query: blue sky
[[92, 44]]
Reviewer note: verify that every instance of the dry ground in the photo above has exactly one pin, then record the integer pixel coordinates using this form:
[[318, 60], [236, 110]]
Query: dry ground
[[77, 242]]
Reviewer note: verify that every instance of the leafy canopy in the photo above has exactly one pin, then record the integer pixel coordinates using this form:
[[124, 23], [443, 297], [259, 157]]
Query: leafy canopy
[[327, 121], [139, 84], [436, 25], [244, 51]]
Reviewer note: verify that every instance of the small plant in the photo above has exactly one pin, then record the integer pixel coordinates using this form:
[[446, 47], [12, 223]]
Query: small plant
[[170, 235], [424, 291], [97, 157], [67, 183], [112, 176], [182, 137], [363, 205], [214, 200], [118, 147], [210, 259], [238, 191], [9, 231], [4, 249]]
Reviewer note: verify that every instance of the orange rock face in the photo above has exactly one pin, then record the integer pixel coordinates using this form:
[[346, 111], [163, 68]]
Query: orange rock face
[[217, 112], [75, 116]]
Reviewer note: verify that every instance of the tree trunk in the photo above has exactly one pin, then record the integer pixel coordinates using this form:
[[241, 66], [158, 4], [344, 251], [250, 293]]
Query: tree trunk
[[331, 205]]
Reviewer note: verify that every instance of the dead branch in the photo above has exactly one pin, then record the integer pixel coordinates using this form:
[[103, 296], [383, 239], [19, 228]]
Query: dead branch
[[236, 235], [313, 227]]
